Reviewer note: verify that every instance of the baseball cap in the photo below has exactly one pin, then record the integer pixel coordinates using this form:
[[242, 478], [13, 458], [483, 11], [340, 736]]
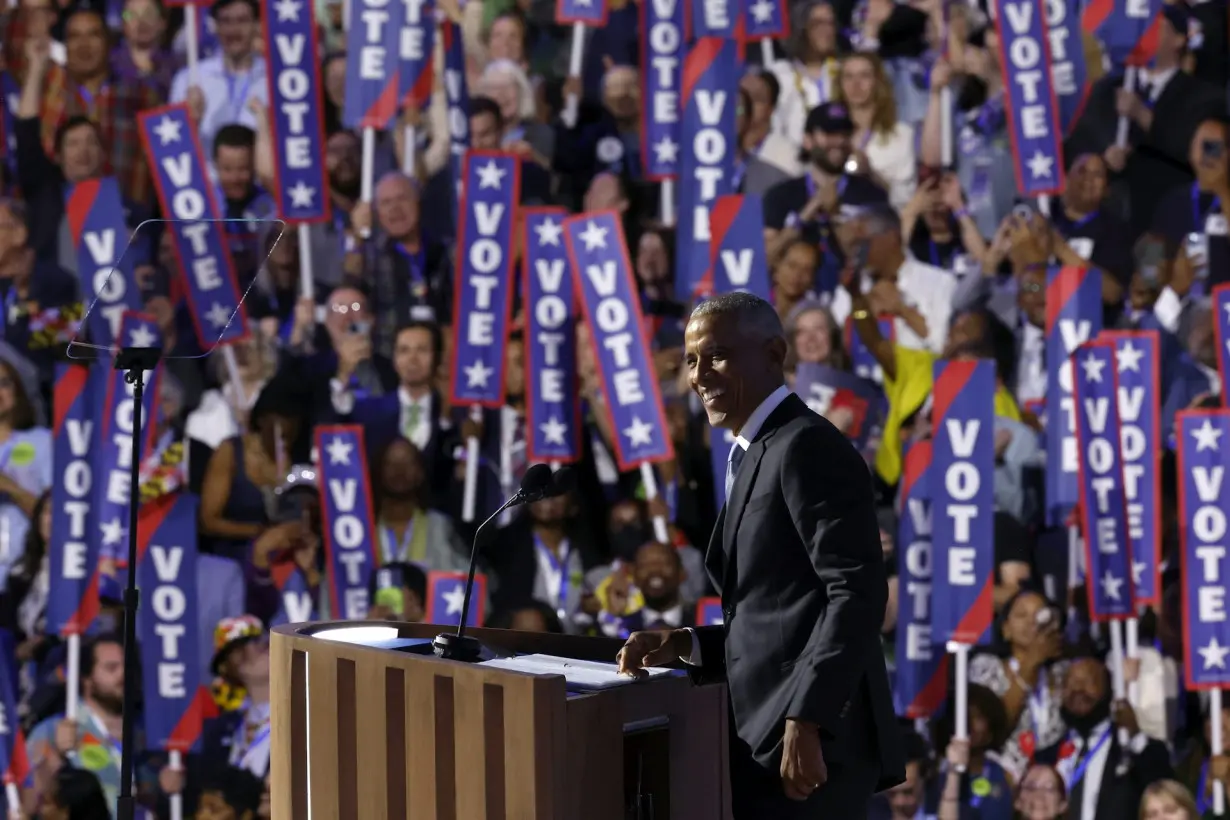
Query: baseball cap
[[831, 118], [231, 633]]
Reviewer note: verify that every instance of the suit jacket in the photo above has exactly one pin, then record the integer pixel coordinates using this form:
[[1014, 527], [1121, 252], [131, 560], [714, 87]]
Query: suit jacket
[[796, 558], [1119, 794], [380, 417], [512, 559]]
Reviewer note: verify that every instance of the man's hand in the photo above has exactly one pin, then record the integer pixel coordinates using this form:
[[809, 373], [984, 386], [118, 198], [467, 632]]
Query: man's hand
[[824, 201], [803, 768], [361, 218], [195, 98], [171, 781], [646, 649], [1124, 717], [66, 736], [352, 349], [886, 297], [1116, 157]]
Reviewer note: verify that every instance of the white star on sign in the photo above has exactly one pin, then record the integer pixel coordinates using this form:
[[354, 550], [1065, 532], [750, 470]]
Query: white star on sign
[[554, 430], [549, 232], [593, 236], [666, 151], [301, 195], [1214, 654], [1206, 436], [639, 433], [218, 315], [586, 3], [339, 450], [454, 600], [490, 175], [1040, 165], [1110, 585], [167, 130], [287, 10], [141, 336], [762, 11], [1226, 307], [112, 531], [1129, 357], [1093, 368], [477, 374]]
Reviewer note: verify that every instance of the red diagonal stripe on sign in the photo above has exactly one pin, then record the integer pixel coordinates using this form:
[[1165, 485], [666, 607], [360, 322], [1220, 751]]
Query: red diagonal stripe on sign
[[1095, 15], [79, 205], [948, 386], [384, 108], [19, 761], [917, 460], [1061, 290], [1146, 46], [67, 391], [976, 621], [151, 518], [698, 61], [927, 702], [188, 729]]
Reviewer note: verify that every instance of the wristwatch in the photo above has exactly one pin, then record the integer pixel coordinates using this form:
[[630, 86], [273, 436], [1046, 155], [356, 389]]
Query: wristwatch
[[860, 314]]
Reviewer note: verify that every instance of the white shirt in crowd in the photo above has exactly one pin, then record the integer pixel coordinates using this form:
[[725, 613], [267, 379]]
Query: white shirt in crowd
[[892, 159], [226, 96], [927, 289]]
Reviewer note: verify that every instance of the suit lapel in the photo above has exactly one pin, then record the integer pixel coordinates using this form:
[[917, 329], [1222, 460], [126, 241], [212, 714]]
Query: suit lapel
[[739, 494]]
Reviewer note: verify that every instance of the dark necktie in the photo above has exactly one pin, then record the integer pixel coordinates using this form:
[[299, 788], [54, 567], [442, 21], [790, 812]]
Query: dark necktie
[[732, 467]]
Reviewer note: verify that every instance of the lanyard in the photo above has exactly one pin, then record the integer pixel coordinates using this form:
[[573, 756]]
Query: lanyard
[[1093, 750], [403, 548], [935, 252], [245, 757], [88, 97], [1202, 787], [670, 494], [235, 101], [559, 568], [1198, 219], [415, 261], [1082, 222]]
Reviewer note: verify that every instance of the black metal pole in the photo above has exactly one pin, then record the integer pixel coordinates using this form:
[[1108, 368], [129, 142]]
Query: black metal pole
[[135, 362]]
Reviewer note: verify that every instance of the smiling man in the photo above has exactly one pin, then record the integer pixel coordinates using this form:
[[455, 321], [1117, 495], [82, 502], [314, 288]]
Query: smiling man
[[796, 557]]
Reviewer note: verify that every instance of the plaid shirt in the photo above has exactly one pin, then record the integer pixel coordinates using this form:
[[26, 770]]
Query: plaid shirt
[[115, 109], [388, 280]]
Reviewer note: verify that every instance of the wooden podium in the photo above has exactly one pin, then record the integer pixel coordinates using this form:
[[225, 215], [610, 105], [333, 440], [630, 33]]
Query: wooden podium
[[363, 733]]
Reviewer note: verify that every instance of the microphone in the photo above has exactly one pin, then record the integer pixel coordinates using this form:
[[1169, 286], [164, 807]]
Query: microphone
[[537, 483], [562, 482]]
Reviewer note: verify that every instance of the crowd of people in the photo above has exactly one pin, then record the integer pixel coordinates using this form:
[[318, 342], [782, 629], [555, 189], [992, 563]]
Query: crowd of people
[[883, 259]]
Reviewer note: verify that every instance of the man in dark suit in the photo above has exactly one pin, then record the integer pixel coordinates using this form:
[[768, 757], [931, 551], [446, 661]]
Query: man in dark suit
[[796, 557]]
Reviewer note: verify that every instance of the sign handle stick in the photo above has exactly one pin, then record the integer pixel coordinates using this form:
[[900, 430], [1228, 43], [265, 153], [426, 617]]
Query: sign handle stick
[[554, 465], [1074, 567], [72, 677], [1129, 83], [14, 800], [506, 473], [176, 763], [232, 370], [1118, 684], [1044, 204], [409, 150], [1218, 743], [307, 284], [191, 41], [366, 180], [960, 729], [575, 59], [1133, 651], [469, 498], [766, 52], [666, 194], [650, 480], [946, 153]]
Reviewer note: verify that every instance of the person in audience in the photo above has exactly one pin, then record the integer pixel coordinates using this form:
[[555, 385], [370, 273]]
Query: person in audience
[[809, 78], [882, 144], [527, 616], [974, 780], [910, 799], [1042, 794], [25, 466], [937, 227], [796, 276], [406, 530], [243, 471], [74, 794], [1168, 800], [241, 658], [767, 156], [399, 593], [658, 573], [815, 337], [228, 793], [143, 54]]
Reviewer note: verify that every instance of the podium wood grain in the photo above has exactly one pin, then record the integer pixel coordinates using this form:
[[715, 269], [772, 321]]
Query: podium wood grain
[[360, 733]]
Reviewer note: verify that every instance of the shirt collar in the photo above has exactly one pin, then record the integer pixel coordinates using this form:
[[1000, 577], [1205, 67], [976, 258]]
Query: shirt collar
[[671, 617], [757, 419]]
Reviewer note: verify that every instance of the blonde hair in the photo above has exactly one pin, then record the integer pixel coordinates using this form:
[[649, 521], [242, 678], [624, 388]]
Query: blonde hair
[[1176, 791], [884, 120], [508, 70]]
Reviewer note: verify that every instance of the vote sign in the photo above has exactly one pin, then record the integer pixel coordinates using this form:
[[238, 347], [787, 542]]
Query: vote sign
[[296, 111], [765, 20], [1103, 508], [661, 77], [456, 95], [1221, 334], [552, 410], [737, 259], [709, 611], [347, 517], [612, 311], [95, 214], [1203, 438], [835, 394], [117, 421], [175, 694], [714, 18], [72, 597], [963, 499], [187, 198], [371, 96], [1032, 109], [416, 41], [14, 763], [1073, 317], [1069, 73], [1137, 354], [482, 303], [710, 94], [585, 12], [922, 674], [446, 593], [295, 604]]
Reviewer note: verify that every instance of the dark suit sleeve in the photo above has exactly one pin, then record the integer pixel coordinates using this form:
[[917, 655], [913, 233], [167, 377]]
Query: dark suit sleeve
[[834, 514], [712, 640], [1151, 765], [1175, 123]]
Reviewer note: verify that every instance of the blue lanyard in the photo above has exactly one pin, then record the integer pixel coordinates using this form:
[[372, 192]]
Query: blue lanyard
[[235, 101], [416, 262], [1082, 222], [1202, 802], [403, 548], [671, 496], [935, 253], [1198, 219], [1080, 770], [560, 566], [88, 96]]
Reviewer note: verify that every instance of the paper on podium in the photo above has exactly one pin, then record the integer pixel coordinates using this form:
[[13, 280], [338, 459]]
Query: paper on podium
[[587, 675]]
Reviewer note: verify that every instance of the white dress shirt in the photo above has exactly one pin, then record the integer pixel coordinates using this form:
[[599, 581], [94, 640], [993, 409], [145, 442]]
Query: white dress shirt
[[744, 439], [927, 289], [226, 96], [1031, 364], [892, 159]]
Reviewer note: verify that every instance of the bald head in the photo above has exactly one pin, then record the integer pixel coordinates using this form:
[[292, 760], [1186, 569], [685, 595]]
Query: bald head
[[397, 206]]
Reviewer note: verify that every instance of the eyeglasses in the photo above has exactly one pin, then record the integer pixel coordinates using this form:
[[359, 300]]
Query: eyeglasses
[[150, 15], [343, 309], [1040, 788], [1031, 287]]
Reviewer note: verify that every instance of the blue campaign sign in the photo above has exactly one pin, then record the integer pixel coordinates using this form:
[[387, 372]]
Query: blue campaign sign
[[346, 512], [446, 597], [94, 211], [661, 77]]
